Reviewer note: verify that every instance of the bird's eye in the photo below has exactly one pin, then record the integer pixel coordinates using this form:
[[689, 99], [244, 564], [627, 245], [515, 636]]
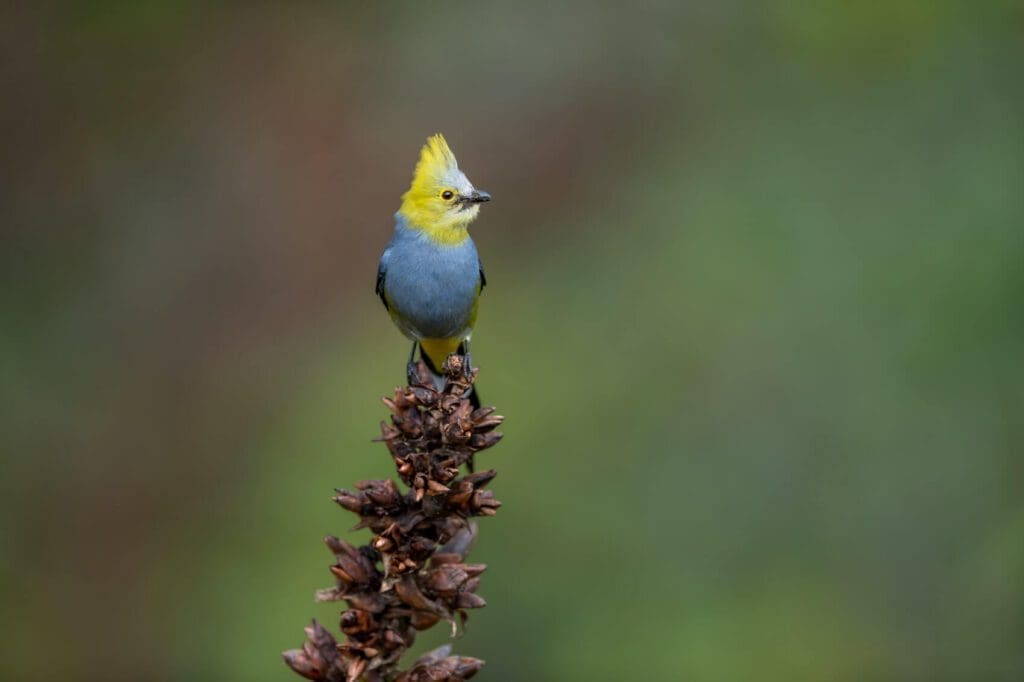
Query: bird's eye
[[447, 194]]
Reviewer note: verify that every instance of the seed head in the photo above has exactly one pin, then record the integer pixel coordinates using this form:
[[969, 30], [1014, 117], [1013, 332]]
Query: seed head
[[412, 575]]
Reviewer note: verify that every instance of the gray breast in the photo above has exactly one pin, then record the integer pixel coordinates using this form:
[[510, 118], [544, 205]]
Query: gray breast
[[431, 286]]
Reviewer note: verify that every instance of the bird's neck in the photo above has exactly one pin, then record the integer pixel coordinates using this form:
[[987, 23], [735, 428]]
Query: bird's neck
[[445, 232]]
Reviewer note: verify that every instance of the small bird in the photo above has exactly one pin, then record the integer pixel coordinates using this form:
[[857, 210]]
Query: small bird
[[430, 276]]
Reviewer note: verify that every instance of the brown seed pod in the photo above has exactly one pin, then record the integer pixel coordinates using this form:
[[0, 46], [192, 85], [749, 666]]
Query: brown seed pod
[[412, 575]]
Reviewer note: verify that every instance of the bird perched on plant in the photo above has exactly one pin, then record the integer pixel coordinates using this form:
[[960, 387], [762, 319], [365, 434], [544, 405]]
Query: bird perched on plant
[[430, 277]]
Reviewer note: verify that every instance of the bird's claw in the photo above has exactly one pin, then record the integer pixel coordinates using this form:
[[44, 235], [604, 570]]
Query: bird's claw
[[412, 373], [467, 367]]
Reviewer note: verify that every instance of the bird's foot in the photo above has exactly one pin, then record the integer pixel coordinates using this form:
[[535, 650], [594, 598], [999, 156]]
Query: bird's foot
[[412, 373]]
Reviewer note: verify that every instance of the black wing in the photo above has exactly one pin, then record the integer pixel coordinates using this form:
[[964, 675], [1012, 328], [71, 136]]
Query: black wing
[[483, 277], [379, 289]]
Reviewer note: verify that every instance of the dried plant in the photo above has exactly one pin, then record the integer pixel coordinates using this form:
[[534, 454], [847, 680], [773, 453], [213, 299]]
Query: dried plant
[[413, 573]]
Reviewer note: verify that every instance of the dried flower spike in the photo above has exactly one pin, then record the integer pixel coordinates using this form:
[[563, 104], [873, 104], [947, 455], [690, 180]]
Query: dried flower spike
[[412, 575]]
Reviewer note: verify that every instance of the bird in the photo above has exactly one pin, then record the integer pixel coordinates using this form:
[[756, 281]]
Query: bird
[[430, 276]]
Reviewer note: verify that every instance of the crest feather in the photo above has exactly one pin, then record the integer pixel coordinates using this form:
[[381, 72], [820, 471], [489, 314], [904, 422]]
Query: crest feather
[[436, 160]]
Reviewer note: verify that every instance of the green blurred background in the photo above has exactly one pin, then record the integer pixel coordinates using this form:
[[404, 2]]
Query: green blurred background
[[754, 317]]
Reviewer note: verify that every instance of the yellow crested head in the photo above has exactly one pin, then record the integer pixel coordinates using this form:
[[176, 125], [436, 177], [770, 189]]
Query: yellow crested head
[[441, 200]]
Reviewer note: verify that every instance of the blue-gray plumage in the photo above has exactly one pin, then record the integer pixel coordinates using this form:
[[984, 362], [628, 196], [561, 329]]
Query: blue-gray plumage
[[430, 288]]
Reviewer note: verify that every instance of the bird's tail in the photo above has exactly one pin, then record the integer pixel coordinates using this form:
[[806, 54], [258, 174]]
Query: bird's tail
[[434, 354]]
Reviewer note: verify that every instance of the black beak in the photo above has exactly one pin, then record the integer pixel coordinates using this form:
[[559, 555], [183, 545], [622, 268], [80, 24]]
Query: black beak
[[478, 197]]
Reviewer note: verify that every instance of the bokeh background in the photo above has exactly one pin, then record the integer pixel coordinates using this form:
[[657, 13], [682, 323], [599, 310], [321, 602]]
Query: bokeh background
[[754, 316]]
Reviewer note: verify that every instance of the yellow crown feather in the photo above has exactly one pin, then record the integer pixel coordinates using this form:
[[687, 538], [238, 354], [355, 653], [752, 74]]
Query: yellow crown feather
[[422, 205], [436, 162]]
